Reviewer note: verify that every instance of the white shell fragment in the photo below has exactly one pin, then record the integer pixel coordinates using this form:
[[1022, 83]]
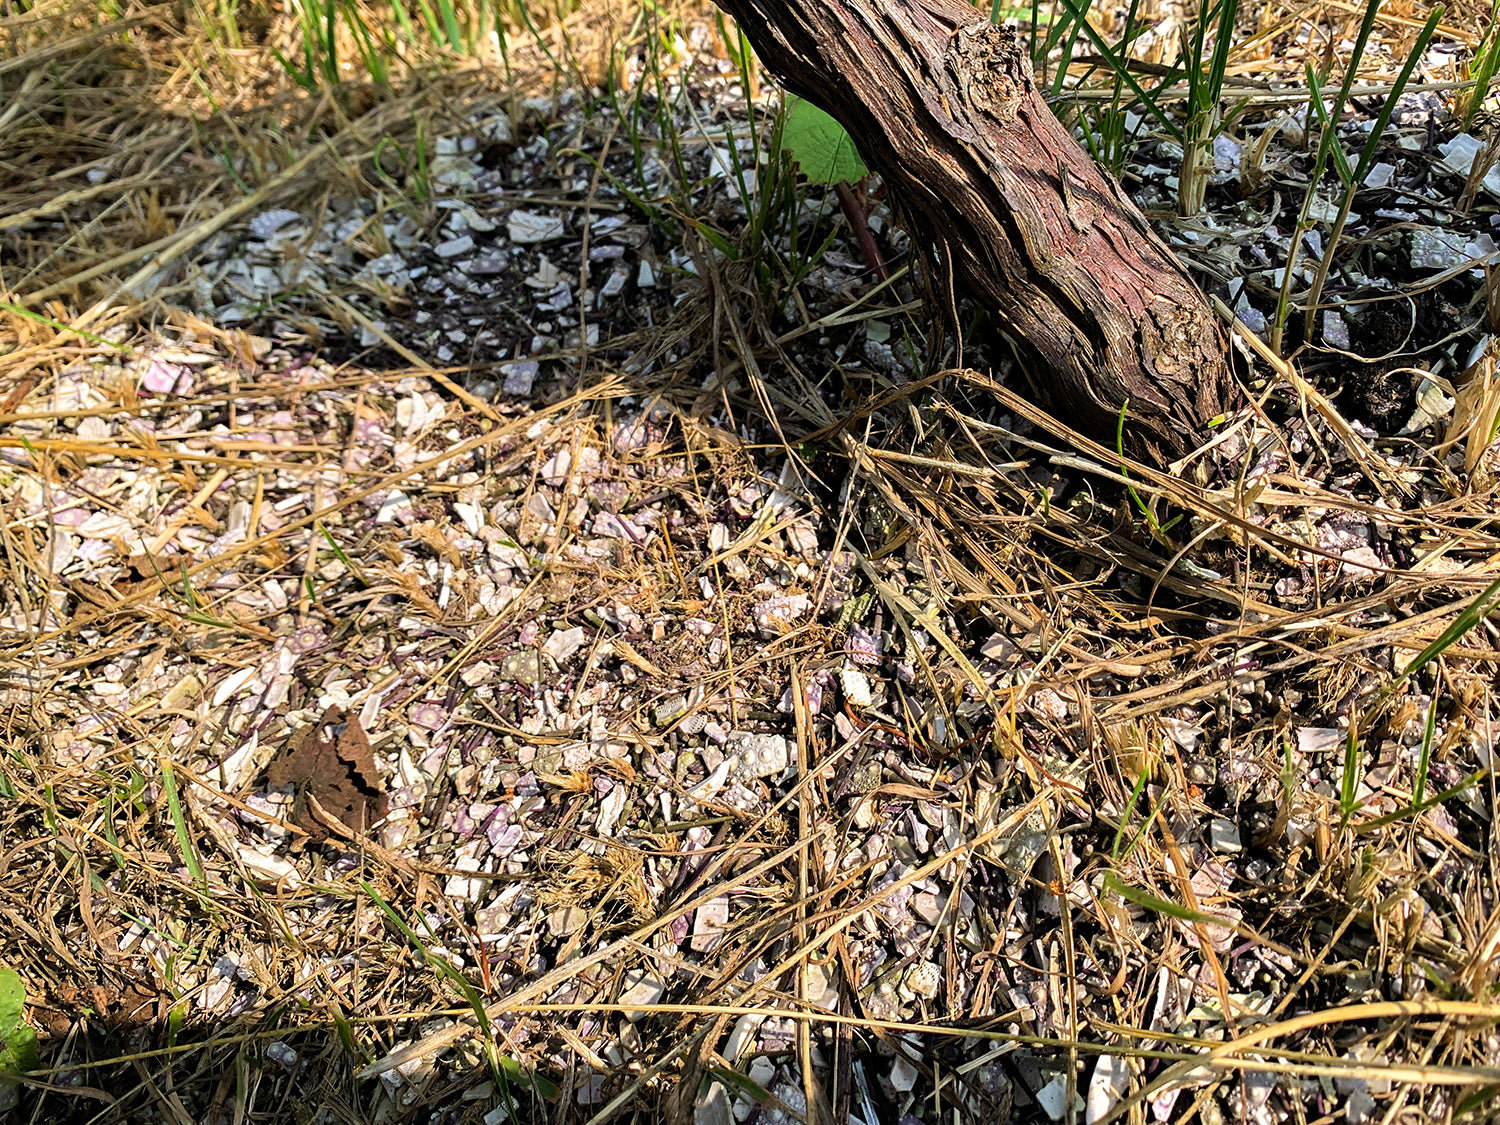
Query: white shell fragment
[[643, 989], [1107, 1085], [756, 755], [709, 924], [267, 223], [528, 227]]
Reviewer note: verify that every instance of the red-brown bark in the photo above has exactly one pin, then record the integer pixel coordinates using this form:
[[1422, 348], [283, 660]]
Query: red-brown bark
[[1006, 208]]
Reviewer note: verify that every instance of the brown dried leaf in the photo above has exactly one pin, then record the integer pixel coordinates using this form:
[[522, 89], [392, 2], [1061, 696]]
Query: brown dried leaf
[[333, 762]]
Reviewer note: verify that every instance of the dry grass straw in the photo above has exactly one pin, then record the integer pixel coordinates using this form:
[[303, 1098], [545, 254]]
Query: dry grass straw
[[996, 550], [192, 144], [1097, 592], [1021, 571], [68, 818]]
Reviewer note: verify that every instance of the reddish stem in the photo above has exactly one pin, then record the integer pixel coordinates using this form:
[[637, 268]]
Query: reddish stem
[[859, 223]]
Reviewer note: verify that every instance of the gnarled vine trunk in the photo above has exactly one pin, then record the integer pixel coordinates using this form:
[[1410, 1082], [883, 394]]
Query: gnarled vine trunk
[[1008, 208]]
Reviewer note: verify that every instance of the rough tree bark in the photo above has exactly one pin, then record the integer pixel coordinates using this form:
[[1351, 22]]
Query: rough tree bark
[[1014, 213]]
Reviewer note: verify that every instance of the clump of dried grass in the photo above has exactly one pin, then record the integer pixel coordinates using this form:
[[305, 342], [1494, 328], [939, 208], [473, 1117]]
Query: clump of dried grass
[[1130, 623]]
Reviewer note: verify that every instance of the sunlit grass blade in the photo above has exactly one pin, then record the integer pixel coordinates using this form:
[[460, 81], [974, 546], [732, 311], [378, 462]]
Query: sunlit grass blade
[[1327, 142], [344, 1028], [1484, 66], [1218, 66], [1158, 529], [1204, 89], [1475, 612], [1326, 125], [1349, 777], [743, 1084], [1392, 99], [1135, 795], [38, 318], [451, 30], [330, 42], [1472, 614], [504, 1071], [111, 835], [339, 553], [1418, 806], [1158, 904], [403, 20], [372, 52], [1424, 759]]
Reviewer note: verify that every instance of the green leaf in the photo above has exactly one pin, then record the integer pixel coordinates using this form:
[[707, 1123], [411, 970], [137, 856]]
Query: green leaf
[[743, 1084], [823, 150], [17, 1039], [1161, 905], [528, 1079]]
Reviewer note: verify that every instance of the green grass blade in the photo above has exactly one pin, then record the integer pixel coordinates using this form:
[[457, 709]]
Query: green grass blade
[[1425, 758], [735, 1080], [37, 318], [1418, 807], [1159, 905], [111, 836], [450, 25], [179, 823], [1485, 65], [1223, 45], [1356, 56], [403, 20], [331, 42], [367, 44], [1327, 142], [1473, 1101], [1475, 612], [1135, 795], [441, 964], [1147, 514], [1349, 778], [1120, 67], [1341, 162], [1383, 118]]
